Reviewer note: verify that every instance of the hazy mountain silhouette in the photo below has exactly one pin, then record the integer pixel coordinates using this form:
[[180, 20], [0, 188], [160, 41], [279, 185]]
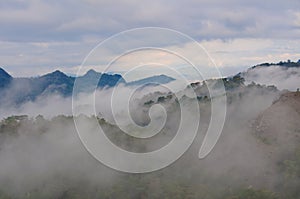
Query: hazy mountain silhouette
[[19, 90]]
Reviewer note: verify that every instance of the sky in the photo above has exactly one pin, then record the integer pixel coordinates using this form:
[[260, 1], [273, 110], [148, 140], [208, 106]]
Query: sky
[[37, 37]]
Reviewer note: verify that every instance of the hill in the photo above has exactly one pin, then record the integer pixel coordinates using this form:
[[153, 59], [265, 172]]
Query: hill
[[284, 75], [279, 124]]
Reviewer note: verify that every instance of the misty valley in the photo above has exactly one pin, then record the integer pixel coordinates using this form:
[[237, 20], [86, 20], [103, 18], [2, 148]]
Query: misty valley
[[257, 155]]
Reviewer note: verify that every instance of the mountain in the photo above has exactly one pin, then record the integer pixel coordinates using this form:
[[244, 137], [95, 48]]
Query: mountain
[[55, 82], [284, 75], [20, 90], [277, 130], [88, 81], [279, 124], [158, 79], [104, 79], [5, 78]]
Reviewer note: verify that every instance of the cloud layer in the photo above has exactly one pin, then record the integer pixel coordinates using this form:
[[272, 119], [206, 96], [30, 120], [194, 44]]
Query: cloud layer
[[39, 36]]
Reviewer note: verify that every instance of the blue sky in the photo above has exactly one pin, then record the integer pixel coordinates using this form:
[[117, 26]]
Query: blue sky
[[38, 36]]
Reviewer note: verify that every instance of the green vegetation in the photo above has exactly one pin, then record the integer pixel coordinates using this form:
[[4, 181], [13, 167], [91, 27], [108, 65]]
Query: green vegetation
[[155, 185], [251, 193], [292, 166]]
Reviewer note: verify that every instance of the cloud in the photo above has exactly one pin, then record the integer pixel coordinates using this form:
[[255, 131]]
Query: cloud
[[297, 20], [42, 35], [48, 157], [282, 78], [199, 19], [230, 56]]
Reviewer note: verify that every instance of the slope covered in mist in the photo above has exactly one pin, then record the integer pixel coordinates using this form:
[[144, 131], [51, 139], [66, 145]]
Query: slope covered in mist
[[257, 155], [283, 75], [44, 158]]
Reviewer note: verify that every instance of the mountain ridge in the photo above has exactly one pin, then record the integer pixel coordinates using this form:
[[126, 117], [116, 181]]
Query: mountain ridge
[[5, 78], [288, 64], [22, 89]]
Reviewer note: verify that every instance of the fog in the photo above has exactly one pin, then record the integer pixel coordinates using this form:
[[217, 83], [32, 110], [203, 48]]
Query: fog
[[49, 161], [52, 105], [46, 157], [281, 77]]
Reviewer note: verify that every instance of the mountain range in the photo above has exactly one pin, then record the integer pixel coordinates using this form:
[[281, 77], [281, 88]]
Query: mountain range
[[259, 145], [21, 90]]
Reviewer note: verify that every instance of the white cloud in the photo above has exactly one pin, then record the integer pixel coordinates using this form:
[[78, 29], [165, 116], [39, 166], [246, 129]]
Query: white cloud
[[282, 78], [49, 35], [297, 19], [31, 59]]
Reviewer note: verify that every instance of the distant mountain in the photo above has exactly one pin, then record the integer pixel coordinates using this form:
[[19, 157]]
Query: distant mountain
[[284, 75], [5, 78], [104, 79], [158, 79], [88, 81], [19, 90], [55, 82]]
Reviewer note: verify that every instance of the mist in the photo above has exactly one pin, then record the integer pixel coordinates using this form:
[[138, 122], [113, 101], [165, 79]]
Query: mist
[[46, 157], [281, 77]]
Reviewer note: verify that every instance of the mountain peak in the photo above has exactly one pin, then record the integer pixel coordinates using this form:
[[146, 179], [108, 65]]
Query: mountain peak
[[56, 73], [4, 74], [92, 72], [161, 79], [5, 78]]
